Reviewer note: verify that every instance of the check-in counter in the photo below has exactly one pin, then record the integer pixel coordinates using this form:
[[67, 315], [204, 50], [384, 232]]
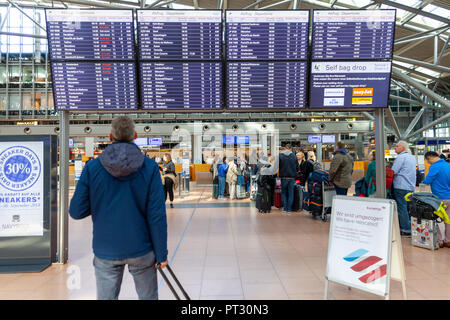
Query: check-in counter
[[202, 175]]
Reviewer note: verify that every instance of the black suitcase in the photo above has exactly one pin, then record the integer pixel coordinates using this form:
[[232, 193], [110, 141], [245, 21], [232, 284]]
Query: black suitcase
[[169, 284], [297, 205], [263, 199]]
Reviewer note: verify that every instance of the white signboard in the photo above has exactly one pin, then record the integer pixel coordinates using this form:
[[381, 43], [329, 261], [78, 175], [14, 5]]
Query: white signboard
[[78, 169], [359, 251], [21, 189]]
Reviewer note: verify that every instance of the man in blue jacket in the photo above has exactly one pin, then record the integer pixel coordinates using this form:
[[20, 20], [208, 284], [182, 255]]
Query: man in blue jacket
[[123, 192], [439, 178], [289, 167]]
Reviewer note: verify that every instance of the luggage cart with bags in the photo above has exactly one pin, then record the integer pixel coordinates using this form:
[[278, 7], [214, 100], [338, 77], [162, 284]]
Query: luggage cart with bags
[[328, 192]]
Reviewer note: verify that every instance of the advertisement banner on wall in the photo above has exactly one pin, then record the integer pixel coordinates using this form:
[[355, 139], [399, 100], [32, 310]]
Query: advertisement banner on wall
[[21, 189], [360, 244]]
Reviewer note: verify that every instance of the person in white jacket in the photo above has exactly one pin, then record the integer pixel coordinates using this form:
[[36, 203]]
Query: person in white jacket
[[232, 174]]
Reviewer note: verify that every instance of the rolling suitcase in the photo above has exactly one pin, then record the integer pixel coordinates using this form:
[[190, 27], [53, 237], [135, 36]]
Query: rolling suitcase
[[169, 284], [240, 192], [215, 193], [253, 188], [424, 233], [297, 205], [277, 202], [263, 199]]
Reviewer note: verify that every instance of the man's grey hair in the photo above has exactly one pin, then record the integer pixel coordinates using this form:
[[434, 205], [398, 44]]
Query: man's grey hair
[[405, 145], [122, 129]]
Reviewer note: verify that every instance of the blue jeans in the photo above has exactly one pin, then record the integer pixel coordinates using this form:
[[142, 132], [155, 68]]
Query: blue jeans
[[221, 186], [340, 191], [402, 209], [109, 274], [287, 193]]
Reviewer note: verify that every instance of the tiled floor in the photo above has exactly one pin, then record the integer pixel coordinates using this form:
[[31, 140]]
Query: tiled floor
[[226, 250]]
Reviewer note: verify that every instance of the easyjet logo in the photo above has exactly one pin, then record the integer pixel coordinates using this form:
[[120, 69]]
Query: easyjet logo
[[362, 92]]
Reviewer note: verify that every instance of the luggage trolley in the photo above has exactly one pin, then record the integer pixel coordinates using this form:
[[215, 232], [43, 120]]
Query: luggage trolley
[[328, 192]]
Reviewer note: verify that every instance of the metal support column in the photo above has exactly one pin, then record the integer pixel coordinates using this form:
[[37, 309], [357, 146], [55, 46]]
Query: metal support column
[[319, 153], [63, 219], [379, 148]]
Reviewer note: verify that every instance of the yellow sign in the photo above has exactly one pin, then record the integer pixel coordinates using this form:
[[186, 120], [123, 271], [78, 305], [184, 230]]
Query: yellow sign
[[387, 152], [320, 120], [27, 123], [364, 100]]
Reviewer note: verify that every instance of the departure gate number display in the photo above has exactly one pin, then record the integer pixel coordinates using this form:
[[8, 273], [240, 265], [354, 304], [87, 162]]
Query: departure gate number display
[[267, 35], [94, 85], [179, 35], [90, 34], [353, 34]]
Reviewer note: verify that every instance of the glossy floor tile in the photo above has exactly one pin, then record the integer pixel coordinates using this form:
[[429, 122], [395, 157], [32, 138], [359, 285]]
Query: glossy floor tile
[[226, 250]]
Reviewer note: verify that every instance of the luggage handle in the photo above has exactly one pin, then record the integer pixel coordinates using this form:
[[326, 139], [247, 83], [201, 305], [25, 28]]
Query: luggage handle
[[169, 284]]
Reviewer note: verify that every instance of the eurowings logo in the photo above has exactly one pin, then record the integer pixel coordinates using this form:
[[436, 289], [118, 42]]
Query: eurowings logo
[[363, 264]]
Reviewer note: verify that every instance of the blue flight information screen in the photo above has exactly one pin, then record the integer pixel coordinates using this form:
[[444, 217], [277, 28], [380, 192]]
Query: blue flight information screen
[[90, 34], [353, 34], [94, 85], [350, 84], [267, 35], [181, 86], [179, 34], [263, 85]]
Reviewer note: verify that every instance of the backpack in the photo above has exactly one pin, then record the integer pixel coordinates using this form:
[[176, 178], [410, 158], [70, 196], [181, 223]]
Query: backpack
[[319, 176]]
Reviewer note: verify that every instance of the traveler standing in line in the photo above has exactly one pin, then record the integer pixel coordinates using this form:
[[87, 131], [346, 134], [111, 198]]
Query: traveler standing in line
[[370, 174], [123, 192], [306, 167], [288, 171], [439, 178], [170, 177], [312, 159], [341, 169], [222, 172], [232, 175], [404, 182]]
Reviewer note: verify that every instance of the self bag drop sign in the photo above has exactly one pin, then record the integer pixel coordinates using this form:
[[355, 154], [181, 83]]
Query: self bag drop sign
[[350, 84], [21, 189]]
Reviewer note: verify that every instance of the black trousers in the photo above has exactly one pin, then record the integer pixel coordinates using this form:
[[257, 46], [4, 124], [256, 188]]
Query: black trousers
[[168, 188]]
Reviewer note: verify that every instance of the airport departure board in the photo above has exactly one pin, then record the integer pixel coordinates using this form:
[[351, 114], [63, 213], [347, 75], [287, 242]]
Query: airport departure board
[[94, 85], [267, 35], [354, 84], [352, 34], [179, 34], [181, 86], [90, 34], [266, 85]]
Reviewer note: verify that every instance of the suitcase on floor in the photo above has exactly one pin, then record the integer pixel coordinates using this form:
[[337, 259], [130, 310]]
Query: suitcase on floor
[[297, 205], [253, 188], [263, 199], [240, 192], [169, 284], [277, 201], [424, 233]]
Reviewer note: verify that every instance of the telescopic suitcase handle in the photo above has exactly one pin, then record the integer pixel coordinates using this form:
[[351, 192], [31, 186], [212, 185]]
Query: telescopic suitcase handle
[[169, 284]]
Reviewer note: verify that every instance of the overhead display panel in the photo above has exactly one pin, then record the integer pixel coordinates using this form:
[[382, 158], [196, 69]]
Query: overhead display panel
[[266, 85], [350, 84], [179, 34], [353, 34], [94, 85], [90, 34], [181, 86], [267, 35]]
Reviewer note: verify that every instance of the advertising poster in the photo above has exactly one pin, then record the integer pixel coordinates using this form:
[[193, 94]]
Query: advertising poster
[[21, 189], [359, 244], [350, 84]]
